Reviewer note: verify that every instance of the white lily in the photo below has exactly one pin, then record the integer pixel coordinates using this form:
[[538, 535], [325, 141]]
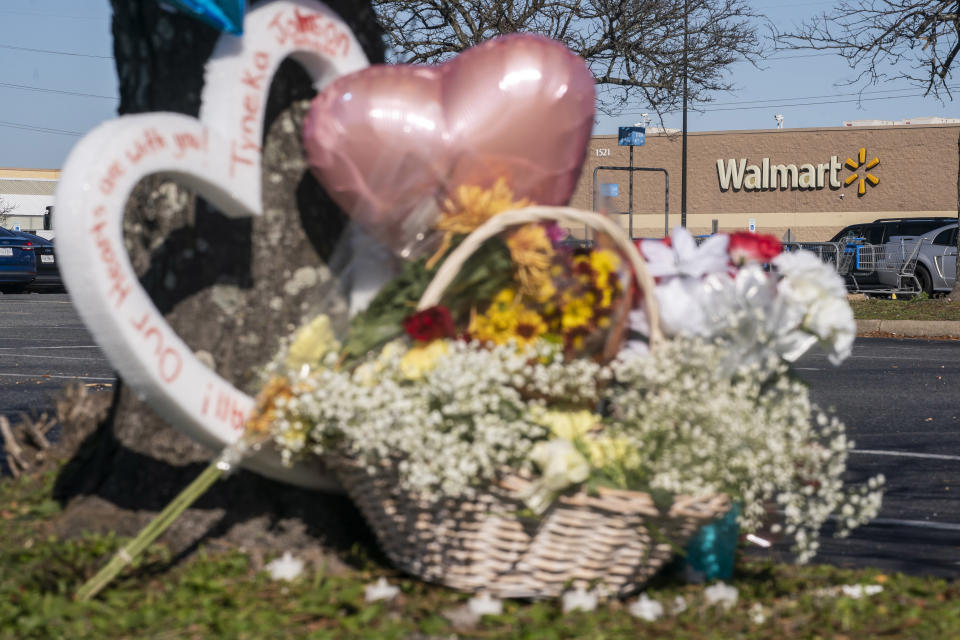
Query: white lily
[[683, 257]]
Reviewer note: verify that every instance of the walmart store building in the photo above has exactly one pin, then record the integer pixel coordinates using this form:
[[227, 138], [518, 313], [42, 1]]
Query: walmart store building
[[810, 181]]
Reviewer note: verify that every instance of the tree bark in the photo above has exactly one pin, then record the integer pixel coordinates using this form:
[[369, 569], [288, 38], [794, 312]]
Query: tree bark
[[227, 286]]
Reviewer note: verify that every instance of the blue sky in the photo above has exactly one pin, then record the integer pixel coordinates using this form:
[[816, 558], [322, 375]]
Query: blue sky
[[57, 81]]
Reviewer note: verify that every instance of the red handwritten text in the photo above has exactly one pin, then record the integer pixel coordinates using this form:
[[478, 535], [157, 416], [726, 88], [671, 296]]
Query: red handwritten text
[[189, 142], [149, 142], [109, 182], [256, 79], [310, 32], [168, 361], [224, 407], [118, 281]]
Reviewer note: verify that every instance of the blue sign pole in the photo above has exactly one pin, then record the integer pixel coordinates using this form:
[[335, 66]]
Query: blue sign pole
[[631, 137]]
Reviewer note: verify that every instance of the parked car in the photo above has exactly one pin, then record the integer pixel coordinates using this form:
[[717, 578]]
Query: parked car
[[17, 262], [896, 234], [48, 273], [936, 269]]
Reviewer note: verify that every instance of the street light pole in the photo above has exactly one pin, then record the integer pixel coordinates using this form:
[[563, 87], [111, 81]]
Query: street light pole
[[683, 158]]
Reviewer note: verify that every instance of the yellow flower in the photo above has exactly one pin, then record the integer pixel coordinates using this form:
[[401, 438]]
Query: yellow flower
[[561, 466], [265, 412], [568, 425], [604, 261], [421, 358], [506, 319], [606, 450], [499, 323], [530, 326], [532, 253], [311, 342], [390, 351], [471, 206], [577, 313]]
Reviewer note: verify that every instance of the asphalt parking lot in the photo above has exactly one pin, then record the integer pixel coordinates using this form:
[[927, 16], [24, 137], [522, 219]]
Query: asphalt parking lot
[[43, 347], [900, 400]]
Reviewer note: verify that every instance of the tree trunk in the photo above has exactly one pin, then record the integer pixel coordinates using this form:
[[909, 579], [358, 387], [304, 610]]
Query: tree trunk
[[955, 292], [220, 284]]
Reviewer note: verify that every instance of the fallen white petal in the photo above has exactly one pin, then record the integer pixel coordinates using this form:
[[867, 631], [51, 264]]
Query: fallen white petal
[[720, 593], [285, 567], [484, 605], [679, 605], [579, 599], [646, 608], [857, 591], [380, 590]]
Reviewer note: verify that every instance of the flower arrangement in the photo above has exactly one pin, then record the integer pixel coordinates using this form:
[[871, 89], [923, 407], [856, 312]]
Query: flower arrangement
[[538, 363]]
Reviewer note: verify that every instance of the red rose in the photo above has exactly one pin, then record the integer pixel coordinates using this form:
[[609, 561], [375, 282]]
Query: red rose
[[430, 324], [753, 247]]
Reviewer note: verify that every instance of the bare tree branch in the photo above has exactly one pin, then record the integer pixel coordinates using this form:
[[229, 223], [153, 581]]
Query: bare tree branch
[[633, 47], [912, 40], [6, 208]]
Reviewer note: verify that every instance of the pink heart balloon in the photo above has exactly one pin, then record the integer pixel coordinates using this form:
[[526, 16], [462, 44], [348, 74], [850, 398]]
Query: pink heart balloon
[[391, 142]]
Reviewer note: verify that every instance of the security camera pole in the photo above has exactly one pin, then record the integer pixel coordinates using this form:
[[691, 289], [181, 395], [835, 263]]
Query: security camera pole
[[683, 160]]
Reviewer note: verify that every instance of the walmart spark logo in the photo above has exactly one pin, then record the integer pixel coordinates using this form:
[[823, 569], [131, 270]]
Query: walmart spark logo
[[867, 176]]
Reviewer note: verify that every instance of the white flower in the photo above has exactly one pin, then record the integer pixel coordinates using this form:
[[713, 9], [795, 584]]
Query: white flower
[[484, 605], [757, 614], [646, 608], [380, 590], [682, 312], [807, 278], [285, 567], [579, 599], [818, 292], [683, 257], [831, 320], [561, 465], [857, 591], [722, 594]]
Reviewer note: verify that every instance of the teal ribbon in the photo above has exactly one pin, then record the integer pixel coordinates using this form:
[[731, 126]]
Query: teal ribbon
[[712, 551], [224, 15]]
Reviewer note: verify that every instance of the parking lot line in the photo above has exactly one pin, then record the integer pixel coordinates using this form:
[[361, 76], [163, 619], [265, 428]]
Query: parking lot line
[[920, 524], [68, 346], [44, 376], [31, 355], [906, 454]]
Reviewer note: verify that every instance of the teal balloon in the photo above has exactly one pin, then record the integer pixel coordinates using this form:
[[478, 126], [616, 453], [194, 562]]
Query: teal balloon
[[712, 552], [224, 15]]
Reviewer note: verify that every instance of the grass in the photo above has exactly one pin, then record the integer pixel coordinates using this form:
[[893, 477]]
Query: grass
[[919, 308], [219, 595]]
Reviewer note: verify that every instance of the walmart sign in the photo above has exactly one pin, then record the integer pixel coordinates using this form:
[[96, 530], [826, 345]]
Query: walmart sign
[[739, 175]]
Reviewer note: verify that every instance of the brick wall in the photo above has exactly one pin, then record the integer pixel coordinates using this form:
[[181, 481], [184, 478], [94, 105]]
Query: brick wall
[[917, 176]]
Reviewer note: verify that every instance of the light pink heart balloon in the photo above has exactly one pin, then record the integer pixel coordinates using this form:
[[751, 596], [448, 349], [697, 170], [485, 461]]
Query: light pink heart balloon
[[389, 141]]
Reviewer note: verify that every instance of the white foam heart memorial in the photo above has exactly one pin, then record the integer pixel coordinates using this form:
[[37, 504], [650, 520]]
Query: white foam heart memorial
[[219, 156]]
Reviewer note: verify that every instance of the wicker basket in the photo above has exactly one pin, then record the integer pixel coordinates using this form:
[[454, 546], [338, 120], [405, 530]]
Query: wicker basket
[[617, 538]]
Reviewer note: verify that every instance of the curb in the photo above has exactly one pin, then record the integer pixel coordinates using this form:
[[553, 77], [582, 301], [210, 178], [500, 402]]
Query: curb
[[911, 328]]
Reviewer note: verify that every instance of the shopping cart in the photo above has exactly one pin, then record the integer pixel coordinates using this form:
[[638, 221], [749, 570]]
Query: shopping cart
[[890, 268]]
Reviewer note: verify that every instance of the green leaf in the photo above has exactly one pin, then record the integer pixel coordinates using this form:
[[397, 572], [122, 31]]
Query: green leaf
[[483, 275]]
